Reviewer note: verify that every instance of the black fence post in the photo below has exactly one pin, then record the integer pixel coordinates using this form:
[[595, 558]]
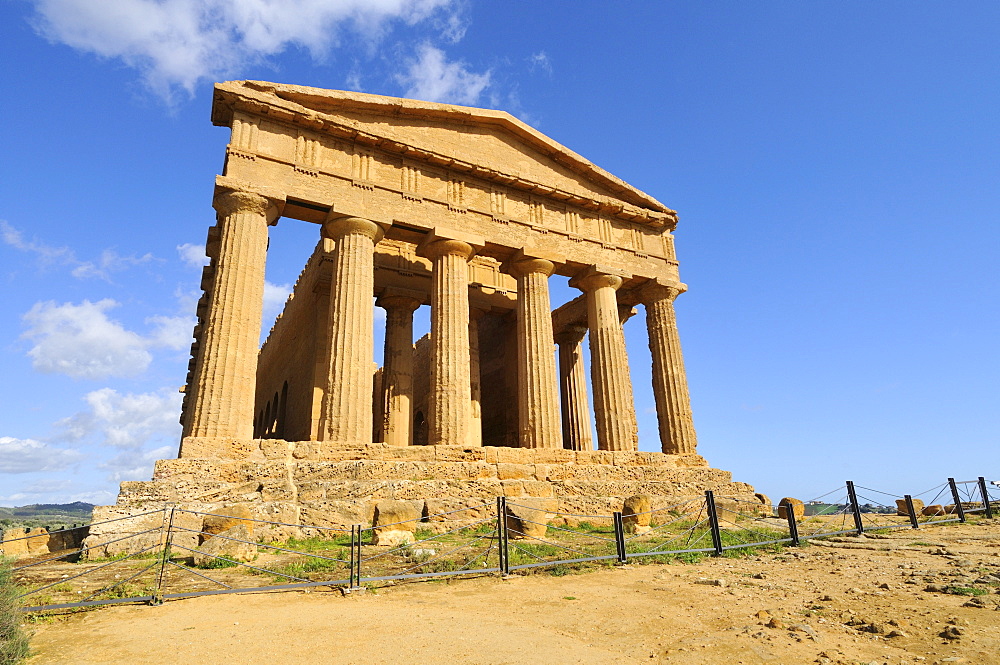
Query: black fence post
[[357, 566], [859, 526], [619, 537], [353, 581], [502, 550], [164, 556], [957, 498], [986, 497], [793, 526], [911, 511], [713, 522]]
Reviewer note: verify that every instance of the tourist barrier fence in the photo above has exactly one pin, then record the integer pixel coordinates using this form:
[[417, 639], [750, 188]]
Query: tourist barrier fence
[[496, 537]]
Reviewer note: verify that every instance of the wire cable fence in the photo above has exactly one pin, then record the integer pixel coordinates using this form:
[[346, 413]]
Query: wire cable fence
[[174, 552]]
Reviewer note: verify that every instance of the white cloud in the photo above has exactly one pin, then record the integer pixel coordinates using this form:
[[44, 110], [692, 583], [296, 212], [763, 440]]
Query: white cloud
[[178, 43], [28, 455], [127, 421], [193, 255], [109, 261], [82, 342], [540, 61], [432, 78], [275, 296], [14, 238], [171, 332]]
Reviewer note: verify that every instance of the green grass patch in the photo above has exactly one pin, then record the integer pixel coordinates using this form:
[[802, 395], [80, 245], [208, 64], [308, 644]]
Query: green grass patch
[[216, 564], [967, 591]]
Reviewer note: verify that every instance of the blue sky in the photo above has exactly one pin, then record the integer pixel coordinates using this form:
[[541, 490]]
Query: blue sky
[[834, 165]]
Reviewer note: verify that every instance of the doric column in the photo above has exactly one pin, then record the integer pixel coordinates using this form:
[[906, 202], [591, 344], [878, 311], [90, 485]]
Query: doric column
[[346, 417], [573, 381], [475, 385], [451, 390], [537, 391], [225, 374], [670, 389], [614, 407], [397, 369]]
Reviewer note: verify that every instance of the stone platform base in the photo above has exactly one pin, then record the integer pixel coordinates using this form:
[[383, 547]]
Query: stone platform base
[[310, 483]]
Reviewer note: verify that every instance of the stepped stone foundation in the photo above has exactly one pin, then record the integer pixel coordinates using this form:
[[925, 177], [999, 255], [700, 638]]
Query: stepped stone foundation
[[472, 213]]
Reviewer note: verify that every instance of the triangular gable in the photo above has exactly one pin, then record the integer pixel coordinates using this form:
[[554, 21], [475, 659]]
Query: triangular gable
[[485, 140]]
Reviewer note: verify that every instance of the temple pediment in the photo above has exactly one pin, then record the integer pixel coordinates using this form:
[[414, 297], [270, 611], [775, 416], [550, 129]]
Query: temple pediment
[[441, 139]]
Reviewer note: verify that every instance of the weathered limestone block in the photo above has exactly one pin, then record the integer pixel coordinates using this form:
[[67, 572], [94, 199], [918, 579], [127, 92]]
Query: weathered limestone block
[[221, 448], [277, 449], [730, 510], [235, 543], [528, 517], [226, 518], [340, 514], [38, 540], [448, 510], [595, 457], [797, 507], [510, 455], [395, 521], [458, 454], [636, 513], [397, 515], [14, 543], [515, 471], [932, 511], [901, 511]]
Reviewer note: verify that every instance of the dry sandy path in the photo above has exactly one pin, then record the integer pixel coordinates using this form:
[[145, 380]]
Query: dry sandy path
[[631, 614]]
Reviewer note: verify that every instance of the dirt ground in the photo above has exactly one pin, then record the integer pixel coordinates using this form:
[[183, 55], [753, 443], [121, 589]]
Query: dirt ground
[[927, 596]]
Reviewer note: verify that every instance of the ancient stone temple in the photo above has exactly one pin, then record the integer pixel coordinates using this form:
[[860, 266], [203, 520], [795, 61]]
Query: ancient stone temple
[[467, 211]]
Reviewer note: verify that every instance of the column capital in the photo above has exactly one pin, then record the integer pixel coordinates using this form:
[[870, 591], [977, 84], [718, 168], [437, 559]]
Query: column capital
[[570, 335], [229, 201], [528, 265], [655, 291], [626, 312], [598, 276], [338, 227], [446, 247], [408, 303]]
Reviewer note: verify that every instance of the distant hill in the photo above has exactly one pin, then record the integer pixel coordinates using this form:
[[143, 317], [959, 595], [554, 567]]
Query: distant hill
[[42, 514]]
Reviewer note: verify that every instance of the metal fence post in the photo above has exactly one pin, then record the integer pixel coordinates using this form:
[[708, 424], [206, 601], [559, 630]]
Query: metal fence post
[[852, 496], [357, 556], [713, 522], [986, 497], [957, 498], [164, 556], [352, 580], [793, 527], [619, 524], [911, 511], [502, 548]]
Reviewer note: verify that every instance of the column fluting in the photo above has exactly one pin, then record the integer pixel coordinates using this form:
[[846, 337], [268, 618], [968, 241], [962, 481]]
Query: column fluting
[[225, 373], [449, 402], [397, 370], [614, 408], [670, 389], [346, 417], [537, 385], [573, 382]]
